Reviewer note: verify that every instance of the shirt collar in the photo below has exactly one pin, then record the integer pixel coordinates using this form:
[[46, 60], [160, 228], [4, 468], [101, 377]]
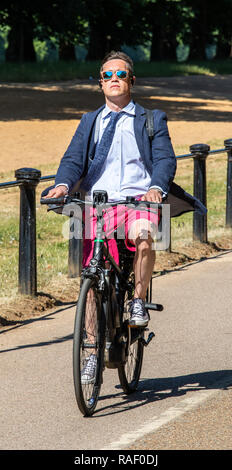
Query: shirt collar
[[129, 109]]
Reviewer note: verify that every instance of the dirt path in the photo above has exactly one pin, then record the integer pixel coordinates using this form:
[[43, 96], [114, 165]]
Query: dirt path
[[37, 121]]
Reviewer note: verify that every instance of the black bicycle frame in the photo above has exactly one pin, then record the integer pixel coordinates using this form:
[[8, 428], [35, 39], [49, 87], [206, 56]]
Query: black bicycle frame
[[100, 250], [115, 351]]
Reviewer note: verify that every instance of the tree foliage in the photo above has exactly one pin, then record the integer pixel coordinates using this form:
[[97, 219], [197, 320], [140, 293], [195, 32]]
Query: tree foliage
[[103, 25], [29, 19], [114, 23]]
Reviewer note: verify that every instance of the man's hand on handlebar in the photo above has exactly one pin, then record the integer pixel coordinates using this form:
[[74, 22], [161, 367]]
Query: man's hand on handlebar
[[153, 195], [59, 191]]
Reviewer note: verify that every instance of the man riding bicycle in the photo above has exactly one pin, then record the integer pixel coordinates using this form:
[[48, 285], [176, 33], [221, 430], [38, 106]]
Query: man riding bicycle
[[122, 161]]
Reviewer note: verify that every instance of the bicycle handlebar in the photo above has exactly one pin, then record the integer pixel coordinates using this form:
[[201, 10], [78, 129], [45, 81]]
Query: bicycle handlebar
[[52, 200], [69, 199]]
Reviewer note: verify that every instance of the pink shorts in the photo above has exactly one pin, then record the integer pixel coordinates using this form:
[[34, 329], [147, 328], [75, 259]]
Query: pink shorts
[[118, 220]]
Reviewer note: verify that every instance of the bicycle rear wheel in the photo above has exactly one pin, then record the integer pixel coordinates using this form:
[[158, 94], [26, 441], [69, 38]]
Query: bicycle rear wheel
[[129, 372], [89, 333]]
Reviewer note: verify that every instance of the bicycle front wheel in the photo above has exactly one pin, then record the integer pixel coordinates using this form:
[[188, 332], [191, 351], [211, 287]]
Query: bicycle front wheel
[[88, 343], [129, 372]]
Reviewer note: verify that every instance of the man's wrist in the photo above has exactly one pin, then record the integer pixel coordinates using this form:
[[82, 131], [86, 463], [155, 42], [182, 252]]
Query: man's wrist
[[158, 188], [63, 184]]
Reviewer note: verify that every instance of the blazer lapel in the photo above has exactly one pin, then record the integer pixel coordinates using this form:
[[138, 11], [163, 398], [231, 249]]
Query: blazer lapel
[[139, 121], [141, 135], [89, 141]]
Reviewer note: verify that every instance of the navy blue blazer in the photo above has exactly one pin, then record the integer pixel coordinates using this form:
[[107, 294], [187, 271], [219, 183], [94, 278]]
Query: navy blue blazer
[[158, 157]]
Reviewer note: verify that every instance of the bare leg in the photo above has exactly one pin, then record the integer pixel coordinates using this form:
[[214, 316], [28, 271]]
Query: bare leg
[[144, 259]]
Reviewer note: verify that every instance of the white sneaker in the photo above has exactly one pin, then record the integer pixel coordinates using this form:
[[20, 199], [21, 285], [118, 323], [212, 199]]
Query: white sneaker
[[89, 371], [139, 315]]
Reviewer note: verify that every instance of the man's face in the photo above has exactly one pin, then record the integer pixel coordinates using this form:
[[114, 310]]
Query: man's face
[[116, 87]]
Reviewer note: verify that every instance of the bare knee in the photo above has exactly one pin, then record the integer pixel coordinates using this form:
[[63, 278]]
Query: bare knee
[[144, 246]]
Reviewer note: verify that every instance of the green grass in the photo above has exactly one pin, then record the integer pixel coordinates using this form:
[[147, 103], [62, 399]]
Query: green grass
[[216, 170], [55, 71], [171, 69], [52, 248]]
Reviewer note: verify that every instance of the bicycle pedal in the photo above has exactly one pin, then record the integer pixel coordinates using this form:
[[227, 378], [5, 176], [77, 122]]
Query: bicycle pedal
[[151, 306]]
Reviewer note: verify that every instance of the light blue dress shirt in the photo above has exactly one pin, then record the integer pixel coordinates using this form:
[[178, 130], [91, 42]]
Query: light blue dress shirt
[[123, 173]]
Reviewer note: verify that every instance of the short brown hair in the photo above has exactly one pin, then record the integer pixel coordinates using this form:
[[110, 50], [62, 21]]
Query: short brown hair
[[119, 55]]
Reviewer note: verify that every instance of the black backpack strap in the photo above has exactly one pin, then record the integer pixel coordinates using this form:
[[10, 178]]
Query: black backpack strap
[[149, 123]]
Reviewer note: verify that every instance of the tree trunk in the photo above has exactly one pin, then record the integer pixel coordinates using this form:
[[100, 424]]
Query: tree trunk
[[66, 51], [27, 50], [20, 41], [200, 32], [98, 44], [13, 49], [230, 55], [157, 49]]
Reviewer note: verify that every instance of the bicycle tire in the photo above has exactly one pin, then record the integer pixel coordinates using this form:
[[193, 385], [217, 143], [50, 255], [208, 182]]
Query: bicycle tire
[[129, 372], [89, 326]]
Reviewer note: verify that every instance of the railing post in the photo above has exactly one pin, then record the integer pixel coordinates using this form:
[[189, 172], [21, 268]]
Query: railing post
[[200, 152], [228, 146], [75, 247], [27, 280]]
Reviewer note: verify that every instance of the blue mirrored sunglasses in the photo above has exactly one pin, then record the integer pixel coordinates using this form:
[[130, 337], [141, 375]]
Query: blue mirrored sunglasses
[[121, 74]]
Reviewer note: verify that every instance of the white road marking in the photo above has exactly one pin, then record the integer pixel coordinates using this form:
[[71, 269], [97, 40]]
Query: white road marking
[[170, 414]]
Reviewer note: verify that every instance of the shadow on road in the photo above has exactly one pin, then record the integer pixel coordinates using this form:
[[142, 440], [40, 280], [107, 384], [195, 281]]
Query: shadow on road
[[13, 324], [48, 317], [40, 344], [153, 390]]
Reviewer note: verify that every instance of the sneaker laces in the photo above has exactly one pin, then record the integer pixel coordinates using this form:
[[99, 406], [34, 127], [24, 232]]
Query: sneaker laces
[[137, 307], [90, 366]]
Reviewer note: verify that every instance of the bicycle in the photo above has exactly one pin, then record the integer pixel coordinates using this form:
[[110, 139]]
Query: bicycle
[[102, 314]]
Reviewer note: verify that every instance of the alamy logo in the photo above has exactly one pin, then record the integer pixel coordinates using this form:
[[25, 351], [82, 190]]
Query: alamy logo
[[120, 222]]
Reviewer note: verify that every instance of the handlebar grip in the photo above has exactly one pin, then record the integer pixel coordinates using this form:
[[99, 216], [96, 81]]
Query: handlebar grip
[[52, 200]]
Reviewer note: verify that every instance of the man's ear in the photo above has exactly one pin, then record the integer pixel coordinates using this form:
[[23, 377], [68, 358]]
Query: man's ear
[[132, 80], [100, 83]]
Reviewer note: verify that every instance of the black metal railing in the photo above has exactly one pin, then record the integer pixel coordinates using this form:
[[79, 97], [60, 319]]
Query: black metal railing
[[28, 178]]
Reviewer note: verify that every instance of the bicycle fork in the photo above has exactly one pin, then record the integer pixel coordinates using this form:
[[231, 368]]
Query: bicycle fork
[[114, 352]]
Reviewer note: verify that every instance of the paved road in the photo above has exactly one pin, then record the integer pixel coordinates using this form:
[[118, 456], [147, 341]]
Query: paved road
[[185, 386]]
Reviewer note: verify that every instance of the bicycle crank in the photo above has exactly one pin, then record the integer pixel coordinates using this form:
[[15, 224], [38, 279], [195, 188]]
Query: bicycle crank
[[149, 338]]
